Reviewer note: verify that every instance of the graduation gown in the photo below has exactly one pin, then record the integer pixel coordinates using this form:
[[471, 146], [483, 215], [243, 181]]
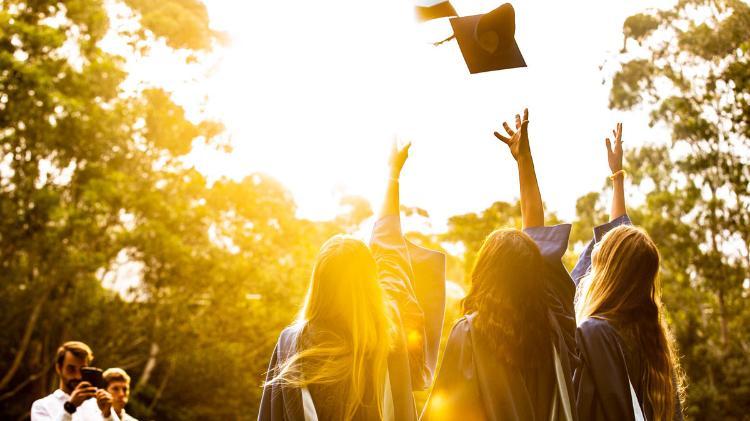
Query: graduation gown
[[413, 279], [608, 361], [473, 385]]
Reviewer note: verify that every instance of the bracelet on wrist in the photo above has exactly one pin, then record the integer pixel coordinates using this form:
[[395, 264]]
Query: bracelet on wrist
[[70, 407], [617, 174]]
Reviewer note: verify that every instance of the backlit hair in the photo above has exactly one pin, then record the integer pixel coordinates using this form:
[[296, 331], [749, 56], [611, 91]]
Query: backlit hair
[[116, 375], [346, 327], [623, 288], [78, 349]]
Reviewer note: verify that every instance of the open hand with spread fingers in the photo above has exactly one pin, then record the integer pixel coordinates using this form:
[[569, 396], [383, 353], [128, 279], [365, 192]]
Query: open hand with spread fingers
[[518, 140], [614, 154]]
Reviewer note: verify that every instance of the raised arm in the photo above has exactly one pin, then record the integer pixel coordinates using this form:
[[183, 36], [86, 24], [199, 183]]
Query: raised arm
[[552, 241], [387, 242], [532, 211], [614, 156], [391, 254], [617, 214]]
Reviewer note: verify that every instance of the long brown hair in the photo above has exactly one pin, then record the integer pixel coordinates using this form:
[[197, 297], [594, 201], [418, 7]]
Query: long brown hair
[[624, 288], [348, 327], [507, 294]]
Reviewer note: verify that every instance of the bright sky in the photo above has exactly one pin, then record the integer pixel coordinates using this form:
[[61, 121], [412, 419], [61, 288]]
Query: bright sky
[[313, 93]]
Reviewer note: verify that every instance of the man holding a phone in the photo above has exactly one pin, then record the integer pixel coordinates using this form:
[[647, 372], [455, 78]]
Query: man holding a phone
[[78, 384]]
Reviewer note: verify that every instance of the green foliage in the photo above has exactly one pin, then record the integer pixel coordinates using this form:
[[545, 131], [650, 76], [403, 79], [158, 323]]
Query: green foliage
[[182, 23], [90, 177], [166, 126], [590, 213], [631, 84], [697, 201], [639, 26], [471, 229], [358, 210], [92, 188]]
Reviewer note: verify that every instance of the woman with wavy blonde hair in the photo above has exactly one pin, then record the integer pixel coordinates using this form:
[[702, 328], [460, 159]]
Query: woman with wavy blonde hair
[[510, 356], [358, 348], [629, 368]]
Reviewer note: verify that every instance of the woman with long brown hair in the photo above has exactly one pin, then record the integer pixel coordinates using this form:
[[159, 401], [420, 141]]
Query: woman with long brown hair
[[628, 368], [509, 356]]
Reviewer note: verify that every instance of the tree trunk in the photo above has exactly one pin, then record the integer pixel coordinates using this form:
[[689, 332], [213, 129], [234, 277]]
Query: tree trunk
[[149, 368], [723, 330], [162, 386], [23, 384], [25, 340], [723, 321]]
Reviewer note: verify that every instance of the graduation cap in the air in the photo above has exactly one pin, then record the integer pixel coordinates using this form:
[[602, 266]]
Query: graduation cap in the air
[[487, 41]]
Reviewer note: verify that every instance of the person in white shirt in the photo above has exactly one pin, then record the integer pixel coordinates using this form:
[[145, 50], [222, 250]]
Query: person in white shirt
[[118, 385], [73, 400]]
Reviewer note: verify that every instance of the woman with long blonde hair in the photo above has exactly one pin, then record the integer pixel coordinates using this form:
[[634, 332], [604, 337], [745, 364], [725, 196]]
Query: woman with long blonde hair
[[629, 368], [359, 346]]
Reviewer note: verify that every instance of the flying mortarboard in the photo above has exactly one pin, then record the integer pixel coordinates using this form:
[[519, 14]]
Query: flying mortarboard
[[487, 41]]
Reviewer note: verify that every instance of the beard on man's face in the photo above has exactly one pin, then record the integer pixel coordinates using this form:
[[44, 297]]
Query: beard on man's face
[[72, 383]]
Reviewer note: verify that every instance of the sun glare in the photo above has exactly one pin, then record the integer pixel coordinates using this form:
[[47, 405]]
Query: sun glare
[[313, 93]]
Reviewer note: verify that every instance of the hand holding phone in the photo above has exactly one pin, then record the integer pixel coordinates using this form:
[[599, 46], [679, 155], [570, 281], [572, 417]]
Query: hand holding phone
[[94, 376]]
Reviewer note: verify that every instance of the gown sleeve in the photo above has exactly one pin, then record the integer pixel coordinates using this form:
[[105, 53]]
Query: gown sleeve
[[559, 287], [396, 277], [584, 260]]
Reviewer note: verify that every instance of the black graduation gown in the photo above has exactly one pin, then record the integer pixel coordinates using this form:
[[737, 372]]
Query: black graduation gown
[[413, 279], [606, 360], [473, 385]]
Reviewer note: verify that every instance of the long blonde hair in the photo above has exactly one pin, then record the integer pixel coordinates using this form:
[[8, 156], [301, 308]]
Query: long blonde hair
[[347, 327], [623, 288]]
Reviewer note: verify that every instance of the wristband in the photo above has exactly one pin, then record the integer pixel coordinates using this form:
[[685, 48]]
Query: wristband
[[69, 407], [616, 173]]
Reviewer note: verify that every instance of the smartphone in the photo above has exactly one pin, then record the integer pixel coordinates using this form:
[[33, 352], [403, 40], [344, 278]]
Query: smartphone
[[93, 375]]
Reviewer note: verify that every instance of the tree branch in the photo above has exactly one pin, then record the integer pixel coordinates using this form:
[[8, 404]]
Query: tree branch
[[23, 384], [25, 339]]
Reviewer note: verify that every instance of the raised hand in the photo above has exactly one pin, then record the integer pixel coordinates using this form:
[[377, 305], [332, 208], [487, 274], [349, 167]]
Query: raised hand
[[518, 142], [104, 401], [398, 158], [396, 162], [532, 211], [82, 392], [614, 155]]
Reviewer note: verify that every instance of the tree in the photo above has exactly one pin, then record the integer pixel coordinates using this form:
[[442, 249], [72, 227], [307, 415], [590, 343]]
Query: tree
[[74, 158], [690, 66], [471, 229]]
